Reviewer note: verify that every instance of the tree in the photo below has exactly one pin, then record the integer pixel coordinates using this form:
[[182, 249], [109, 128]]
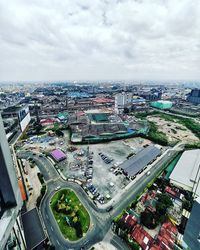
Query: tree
[[75, 219], [126, 110], [160, 208], [67, 209], [148, 219], [187, 205], [165, 199], [78, 228], [163, 203]]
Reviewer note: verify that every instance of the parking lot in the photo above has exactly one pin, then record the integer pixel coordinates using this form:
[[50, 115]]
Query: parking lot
[[96, 165]]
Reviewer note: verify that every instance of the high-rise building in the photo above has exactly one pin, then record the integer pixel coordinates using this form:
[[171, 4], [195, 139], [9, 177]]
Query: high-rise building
[[10, 196], [123, 100], [194, 96]]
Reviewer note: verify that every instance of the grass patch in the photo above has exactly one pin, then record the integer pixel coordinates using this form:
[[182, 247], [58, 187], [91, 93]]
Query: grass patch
[[157, 136], [71, 216]]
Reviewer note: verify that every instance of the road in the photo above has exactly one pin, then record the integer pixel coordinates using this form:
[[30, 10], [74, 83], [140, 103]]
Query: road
[[196, 119], [100, 219]]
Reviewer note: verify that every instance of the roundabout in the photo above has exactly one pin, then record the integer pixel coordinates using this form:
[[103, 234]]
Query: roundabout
[[70, 214]]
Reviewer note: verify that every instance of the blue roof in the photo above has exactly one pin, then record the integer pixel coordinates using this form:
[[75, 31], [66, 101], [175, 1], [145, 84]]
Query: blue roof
[[130, 130], [139, 100]]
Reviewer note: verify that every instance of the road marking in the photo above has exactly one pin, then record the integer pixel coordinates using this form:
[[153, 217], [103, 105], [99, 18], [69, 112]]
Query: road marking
[[47, 216], [51, 228], [86, 242], [58, 242]]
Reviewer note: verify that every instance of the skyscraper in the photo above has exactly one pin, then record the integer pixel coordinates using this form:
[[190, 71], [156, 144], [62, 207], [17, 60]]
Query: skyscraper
[[10, 197]]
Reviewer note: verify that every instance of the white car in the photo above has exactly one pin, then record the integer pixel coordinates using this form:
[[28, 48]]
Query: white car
[[148, 173], [57, 188]]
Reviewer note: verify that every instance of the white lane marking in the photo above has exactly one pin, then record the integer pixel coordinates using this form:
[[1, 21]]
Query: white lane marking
[[58, 242], [86, 242], [47, 216], [51, 228]]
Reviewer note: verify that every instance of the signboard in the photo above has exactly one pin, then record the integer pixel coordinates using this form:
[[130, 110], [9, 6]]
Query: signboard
[[24, 118]]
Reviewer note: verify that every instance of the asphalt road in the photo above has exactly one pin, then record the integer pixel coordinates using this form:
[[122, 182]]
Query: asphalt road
[[100, 219]]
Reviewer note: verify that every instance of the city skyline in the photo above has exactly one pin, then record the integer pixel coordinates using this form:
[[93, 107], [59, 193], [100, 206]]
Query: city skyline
[[130, 40]]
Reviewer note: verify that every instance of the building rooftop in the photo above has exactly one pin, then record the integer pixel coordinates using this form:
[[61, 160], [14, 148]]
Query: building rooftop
[[33, 230], [58, 155], [141, 237], [186, 170], [136, 163]]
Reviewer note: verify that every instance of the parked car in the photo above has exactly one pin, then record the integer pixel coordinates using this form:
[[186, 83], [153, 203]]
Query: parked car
[[57, 188], [109, 209]]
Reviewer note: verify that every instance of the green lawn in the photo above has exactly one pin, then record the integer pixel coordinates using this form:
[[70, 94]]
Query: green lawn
[[64, 204]]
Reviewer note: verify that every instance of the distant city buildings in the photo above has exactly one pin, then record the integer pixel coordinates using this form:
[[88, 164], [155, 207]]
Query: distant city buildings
[[151, 95], [194, 96]]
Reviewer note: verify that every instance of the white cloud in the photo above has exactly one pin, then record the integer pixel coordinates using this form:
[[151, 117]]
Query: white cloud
[[61, 40]]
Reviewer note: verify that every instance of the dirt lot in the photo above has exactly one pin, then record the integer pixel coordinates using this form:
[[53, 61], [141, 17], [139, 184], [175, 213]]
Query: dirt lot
[[174, 131], [104, 179]]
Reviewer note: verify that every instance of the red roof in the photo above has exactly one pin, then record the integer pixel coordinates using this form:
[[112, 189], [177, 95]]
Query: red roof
[[171, 191], [142, 237], [129, 219], [48, 121], [155, 247], [166, 237], [80, 113], [103, 100]]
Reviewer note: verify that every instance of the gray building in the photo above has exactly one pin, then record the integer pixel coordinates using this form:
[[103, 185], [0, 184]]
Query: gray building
[[194, 96], [192, 231], [10, 197], [186, 173]]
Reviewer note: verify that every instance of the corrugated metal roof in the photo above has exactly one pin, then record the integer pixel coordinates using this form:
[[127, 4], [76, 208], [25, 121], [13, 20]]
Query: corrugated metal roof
[[186, 169], [136, 163]]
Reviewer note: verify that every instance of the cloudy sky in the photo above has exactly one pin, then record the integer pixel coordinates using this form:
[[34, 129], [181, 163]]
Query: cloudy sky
[[99, 39]]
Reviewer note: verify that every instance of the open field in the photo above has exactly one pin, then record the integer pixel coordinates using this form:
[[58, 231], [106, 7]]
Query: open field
[[173, 130], [71, 216]]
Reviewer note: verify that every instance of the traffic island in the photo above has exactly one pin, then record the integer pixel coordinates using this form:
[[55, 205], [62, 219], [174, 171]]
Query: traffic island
[[72, 217]]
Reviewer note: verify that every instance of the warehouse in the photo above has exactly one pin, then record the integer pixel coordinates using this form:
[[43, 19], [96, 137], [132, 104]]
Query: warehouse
[[187, 171], [136, 164]]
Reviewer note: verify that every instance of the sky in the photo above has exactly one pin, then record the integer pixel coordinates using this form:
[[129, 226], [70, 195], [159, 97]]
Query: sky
[[48, 40]]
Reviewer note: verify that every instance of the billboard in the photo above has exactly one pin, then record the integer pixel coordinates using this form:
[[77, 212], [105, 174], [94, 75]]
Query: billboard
[[24, 118]]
